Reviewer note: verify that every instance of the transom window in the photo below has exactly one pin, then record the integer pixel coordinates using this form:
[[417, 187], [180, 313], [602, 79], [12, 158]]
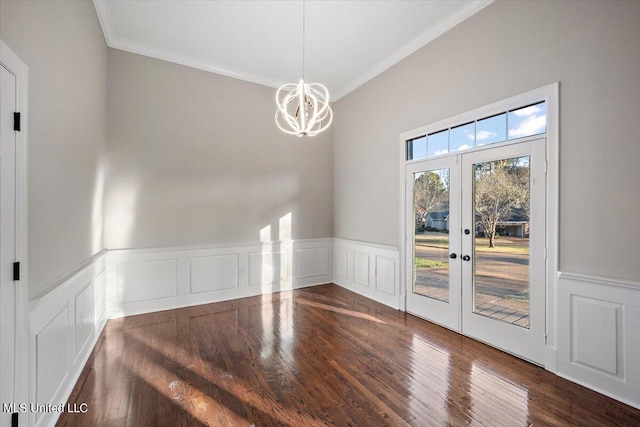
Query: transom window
[[513, 124]]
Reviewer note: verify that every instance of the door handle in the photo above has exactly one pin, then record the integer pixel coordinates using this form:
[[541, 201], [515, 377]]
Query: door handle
[[453, 256], [466, 258]]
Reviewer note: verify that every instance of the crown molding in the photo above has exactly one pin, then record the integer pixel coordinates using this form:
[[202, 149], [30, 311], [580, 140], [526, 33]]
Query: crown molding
[[398, 55], [417, 43]]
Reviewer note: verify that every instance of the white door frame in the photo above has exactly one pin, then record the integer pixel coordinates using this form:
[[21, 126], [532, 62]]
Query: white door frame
[[549, 94], [10, 61]]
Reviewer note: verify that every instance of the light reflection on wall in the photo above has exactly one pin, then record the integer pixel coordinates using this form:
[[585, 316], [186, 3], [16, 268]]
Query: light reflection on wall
[[276, 268], [121, 209], [97, 226], [284, 231], [265, 234]]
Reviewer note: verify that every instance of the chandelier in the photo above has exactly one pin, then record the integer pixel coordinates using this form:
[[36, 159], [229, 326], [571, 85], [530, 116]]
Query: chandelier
[[303, 108]]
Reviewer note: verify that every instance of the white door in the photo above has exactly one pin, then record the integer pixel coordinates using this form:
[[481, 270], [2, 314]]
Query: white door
[[492, 287], [7, 238], [503, 276], [433, 240]]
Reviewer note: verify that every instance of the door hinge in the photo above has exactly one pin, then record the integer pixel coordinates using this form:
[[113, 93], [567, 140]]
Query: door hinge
[[545, 339], [14, 419], [16, 121], [16, 271]]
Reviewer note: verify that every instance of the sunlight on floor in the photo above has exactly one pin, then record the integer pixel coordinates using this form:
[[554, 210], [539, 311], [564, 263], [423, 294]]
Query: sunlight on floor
[[430, 364], [339, 310], [510, 406]]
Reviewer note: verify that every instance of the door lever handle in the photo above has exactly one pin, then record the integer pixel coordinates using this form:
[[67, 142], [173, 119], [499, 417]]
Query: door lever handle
[[466, 258], [453, 256]]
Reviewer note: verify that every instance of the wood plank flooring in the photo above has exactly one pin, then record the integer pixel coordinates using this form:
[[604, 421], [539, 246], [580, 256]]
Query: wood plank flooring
[[317, 356]]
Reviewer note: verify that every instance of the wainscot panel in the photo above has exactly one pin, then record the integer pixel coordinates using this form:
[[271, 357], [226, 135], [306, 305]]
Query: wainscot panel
[[214, 273], [368, 269], [146, 280], [313, 262], [599, 343], [64, 325]]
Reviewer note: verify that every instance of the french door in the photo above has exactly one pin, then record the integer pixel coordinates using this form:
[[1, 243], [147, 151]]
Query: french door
[[476, 244]]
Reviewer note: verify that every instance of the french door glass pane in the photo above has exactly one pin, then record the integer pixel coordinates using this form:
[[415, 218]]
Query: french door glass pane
[[501, 244], [431, 234]]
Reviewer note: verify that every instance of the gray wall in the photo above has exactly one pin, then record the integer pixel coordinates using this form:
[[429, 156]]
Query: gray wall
[[62, 44], [195, 158], [506, 49]]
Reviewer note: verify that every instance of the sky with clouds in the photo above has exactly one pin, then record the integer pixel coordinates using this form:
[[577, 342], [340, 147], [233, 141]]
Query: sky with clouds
[[527, 121]]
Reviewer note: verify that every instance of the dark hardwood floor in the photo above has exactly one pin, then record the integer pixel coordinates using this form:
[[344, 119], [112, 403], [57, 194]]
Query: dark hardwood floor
[[317, 356]]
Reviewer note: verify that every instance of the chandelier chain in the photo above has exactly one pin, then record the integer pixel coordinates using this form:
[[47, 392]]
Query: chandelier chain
[[304, 33]]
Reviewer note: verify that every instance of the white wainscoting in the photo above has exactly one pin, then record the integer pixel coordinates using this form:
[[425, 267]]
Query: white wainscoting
[[146, 280], [368, 269], [599, 335], [597, 329], [64, 326]]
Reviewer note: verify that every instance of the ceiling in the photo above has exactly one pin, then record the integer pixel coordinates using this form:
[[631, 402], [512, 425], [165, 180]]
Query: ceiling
[[348, 42]]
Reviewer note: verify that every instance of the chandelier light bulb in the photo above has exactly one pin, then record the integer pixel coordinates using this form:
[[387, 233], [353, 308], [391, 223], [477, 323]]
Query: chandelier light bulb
[[303, 108]]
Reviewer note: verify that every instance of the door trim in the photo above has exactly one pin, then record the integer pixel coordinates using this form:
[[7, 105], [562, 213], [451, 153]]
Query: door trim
[[549, 94], [10, 61]]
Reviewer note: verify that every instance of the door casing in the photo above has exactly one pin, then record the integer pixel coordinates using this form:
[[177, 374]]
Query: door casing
[[12, 63]]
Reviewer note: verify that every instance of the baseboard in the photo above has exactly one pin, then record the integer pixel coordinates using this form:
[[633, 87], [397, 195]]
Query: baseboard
[[551, 359], [148, 280], [64, 326], [598, 342], [368, 269]]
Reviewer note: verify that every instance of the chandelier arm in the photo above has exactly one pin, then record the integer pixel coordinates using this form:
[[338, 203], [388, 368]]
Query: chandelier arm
[[321, 91], [293, 123], [282, 89], [322, 95], [285, 102], [314, 117], [330, 114], [301, 103], [282, 128], [291, 120], [321, 127]]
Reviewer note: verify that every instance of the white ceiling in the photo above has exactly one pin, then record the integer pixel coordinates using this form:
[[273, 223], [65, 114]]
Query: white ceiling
[[348, 42]]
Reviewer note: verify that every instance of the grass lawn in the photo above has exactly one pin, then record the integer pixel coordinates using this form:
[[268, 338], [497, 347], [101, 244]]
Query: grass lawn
[[428, 263], [506, 244]]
